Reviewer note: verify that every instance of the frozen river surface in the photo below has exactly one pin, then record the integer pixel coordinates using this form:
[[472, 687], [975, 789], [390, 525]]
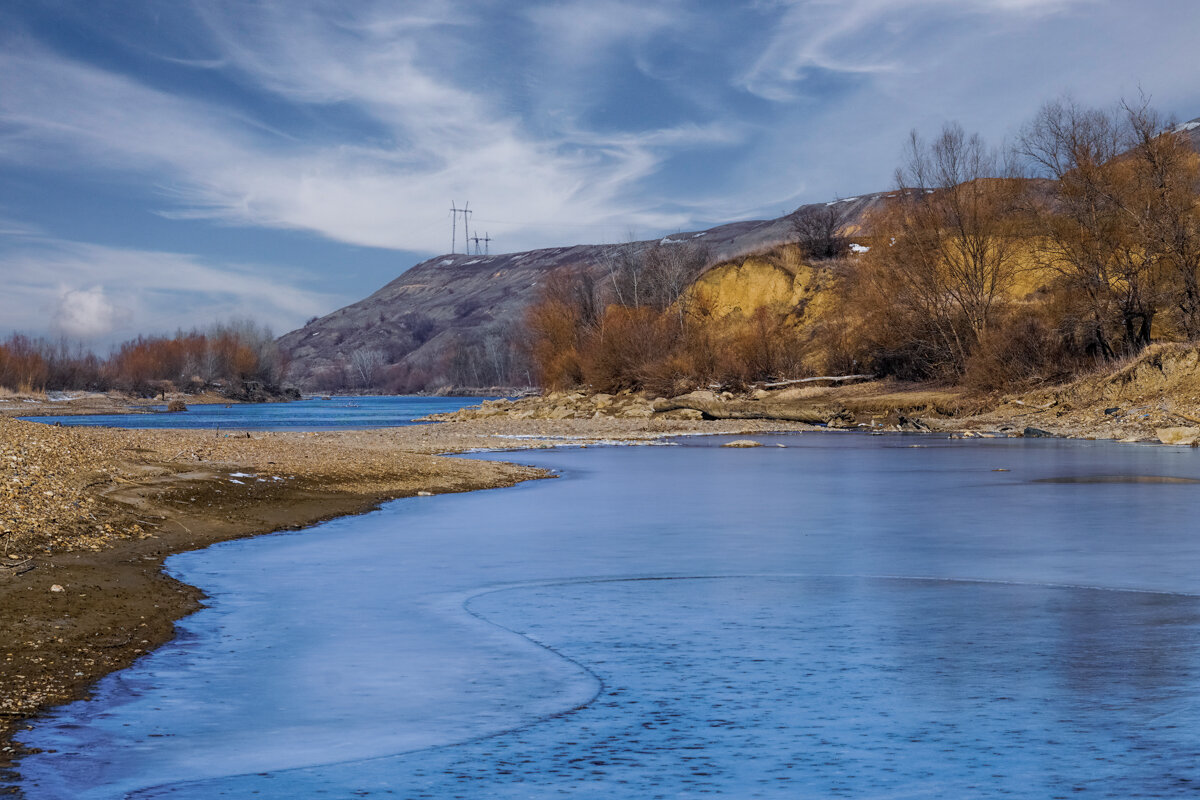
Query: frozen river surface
[[848, 616]]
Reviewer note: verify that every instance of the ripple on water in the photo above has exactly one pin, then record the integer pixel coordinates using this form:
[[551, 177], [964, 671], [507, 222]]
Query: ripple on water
[[786, 687]]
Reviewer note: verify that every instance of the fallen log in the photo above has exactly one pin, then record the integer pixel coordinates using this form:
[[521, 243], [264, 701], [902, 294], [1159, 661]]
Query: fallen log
[[811, 413], [832, 378]]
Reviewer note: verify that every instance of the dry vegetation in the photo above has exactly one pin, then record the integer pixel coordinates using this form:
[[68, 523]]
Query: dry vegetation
[[237, 358], [993, 271]]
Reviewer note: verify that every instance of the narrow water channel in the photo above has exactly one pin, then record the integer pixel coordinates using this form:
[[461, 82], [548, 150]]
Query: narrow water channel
[[846, 615]]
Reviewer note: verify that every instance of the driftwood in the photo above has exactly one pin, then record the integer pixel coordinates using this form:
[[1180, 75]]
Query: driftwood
[[832, 378], [790, 411]]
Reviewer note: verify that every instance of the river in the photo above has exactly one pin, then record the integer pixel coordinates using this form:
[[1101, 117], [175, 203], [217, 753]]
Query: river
[[841, 616], [310, 414]]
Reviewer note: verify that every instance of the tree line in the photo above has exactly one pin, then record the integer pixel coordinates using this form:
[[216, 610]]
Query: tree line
[[1077, 245], [226, 356]]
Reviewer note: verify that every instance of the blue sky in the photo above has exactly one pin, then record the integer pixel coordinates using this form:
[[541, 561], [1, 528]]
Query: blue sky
[[167, 164]]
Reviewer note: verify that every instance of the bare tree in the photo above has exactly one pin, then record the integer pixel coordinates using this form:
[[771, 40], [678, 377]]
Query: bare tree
[[963, 197], [669, 268], [819, 231], [625, 267], [366, 365], [1093, 230], [945, 256], [1165, 176]]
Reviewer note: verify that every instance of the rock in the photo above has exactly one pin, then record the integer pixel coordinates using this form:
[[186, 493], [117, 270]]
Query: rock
[[1037, 433], [689, 414], [56, 588], [698, 396], [742, 443], [1178, 435], [424, 494], [176, 406]]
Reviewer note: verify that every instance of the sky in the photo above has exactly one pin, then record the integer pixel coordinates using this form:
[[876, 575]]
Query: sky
[[166, 165]]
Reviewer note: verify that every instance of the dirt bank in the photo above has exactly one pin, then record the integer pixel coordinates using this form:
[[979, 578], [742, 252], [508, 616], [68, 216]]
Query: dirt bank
[[1154, 397]]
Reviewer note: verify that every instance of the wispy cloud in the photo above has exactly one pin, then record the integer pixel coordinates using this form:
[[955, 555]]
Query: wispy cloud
[[17, 228], [101, 293], [867, 37], [432, 141]]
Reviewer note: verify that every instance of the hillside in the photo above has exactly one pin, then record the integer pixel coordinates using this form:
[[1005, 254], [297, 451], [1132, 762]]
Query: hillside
[[455, 320], [450, 320]]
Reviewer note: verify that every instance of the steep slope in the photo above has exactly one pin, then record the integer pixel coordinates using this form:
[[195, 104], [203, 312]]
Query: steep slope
[[451, 320]]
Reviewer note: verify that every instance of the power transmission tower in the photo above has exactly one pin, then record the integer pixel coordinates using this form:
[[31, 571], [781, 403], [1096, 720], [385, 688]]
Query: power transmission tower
[[466, 212], [454, 212], [477, 239]]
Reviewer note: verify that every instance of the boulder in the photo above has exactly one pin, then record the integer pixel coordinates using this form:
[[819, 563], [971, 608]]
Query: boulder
[[742, 443], [686, 414], [1178, 435]]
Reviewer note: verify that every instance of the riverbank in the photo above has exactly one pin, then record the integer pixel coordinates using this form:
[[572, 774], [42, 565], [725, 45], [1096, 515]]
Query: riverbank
[[1152, 398], [70, 404], [88, 515]]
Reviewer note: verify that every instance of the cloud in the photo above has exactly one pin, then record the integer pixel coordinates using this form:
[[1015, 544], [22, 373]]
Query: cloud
[[870, 37], [361, 123], [424, 141], [17, 228], [84, 313], [579, 34], [102, 294]]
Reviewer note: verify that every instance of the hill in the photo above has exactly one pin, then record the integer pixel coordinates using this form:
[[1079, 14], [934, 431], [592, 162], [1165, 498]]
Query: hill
[[451, 320]]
